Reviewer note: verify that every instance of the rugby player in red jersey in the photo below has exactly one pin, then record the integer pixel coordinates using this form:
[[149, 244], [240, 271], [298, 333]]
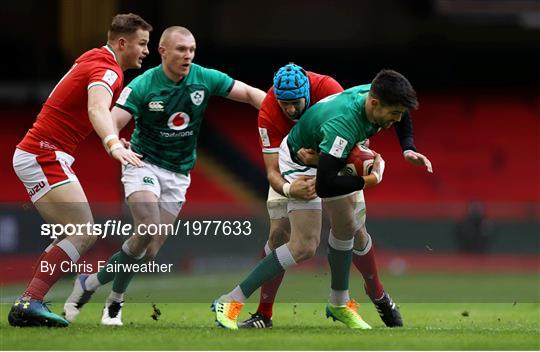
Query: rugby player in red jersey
[[78, 104], [294, 90]]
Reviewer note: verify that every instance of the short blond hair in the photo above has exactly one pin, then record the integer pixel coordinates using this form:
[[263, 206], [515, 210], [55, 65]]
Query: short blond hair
[[173, 29]]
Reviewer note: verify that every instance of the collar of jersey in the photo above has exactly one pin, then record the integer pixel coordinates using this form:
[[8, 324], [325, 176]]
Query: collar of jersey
[[362, 108], [167, 80], [109, 49]]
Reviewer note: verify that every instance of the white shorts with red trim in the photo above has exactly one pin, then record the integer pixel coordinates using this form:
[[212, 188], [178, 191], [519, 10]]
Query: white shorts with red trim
[[42, 172]]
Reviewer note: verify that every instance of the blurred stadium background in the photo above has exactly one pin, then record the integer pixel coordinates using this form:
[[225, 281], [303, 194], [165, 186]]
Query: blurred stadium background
[[473, 63]]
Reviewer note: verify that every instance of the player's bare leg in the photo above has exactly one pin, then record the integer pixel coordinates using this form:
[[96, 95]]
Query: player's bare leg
[[66, 204], [305, 237], [305, 233], [145, 211], [158, 241], [280, 230], [140, 248], [344, 225], [279, 234], [86, 285]]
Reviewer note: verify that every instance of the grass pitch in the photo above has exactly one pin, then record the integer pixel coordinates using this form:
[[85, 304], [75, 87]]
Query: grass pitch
[[428, 326]]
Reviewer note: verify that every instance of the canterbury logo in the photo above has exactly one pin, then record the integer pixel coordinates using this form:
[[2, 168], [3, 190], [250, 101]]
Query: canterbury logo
[[155, 106], [148, 180]]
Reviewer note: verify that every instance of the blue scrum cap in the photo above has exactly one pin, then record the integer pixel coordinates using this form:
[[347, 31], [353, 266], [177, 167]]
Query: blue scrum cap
[[291, 82]]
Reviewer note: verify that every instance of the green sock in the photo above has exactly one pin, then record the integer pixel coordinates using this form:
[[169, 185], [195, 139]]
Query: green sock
[[123, 278], [103, 275], [267, 269], [340, 266]]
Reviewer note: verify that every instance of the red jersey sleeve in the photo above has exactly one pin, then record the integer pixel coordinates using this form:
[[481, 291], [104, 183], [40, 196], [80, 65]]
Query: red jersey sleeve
[[269, 133], [107, 77], [325, 86]]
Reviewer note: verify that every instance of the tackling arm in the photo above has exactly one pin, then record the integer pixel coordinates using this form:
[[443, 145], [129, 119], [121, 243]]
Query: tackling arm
[[246, 94], [301, 188]]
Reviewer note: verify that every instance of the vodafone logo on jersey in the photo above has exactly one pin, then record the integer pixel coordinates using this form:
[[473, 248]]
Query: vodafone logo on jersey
[[178, 121]]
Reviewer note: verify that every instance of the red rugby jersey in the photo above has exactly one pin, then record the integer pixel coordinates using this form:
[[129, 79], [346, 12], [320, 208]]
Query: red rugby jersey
[[63, 120]]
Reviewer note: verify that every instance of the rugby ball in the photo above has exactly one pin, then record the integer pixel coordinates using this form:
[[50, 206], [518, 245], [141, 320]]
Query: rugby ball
[[359, 162]]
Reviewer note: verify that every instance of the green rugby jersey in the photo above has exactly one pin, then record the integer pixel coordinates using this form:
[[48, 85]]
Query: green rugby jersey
[[168, 115], [334, 125]]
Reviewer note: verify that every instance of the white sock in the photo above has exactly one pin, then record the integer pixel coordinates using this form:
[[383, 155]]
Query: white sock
[[366, 249], [115, 297], [125, 249], [267, 249], [339, 298], [92, 283], [69, 249], [340, 245], [285, 257], [236, 295]]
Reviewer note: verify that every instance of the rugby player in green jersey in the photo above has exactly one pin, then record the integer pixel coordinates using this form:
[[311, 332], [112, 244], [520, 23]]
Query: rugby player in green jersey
[[331, 127], [168, 103]]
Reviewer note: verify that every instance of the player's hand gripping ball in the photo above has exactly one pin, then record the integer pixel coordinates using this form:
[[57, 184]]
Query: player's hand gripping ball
[[359, 162]]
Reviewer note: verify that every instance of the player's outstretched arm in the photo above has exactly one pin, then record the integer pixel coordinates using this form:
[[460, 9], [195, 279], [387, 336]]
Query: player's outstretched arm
[[99, 100], [418, 159], [301, 188], [404, 131], [246, 94]]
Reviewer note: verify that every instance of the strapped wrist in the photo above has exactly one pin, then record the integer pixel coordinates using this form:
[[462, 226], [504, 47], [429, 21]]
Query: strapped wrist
[[377, 176], [286, 189], [110, 141], [114, 146]]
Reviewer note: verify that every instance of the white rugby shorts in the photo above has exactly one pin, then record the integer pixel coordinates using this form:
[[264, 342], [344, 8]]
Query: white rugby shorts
[[276, 204], [42, 172], [169, 187]]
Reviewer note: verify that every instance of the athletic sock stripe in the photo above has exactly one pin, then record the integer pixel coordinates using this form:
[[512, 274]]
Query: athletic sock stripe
[[366, 249], [125, 249], [267, 249], [340, 245], [69, 249], [284, 256]]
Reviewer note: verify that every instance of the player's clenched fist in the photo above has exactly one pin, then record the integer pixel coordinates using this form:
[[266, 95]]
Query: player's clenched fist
[[303, 188]]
